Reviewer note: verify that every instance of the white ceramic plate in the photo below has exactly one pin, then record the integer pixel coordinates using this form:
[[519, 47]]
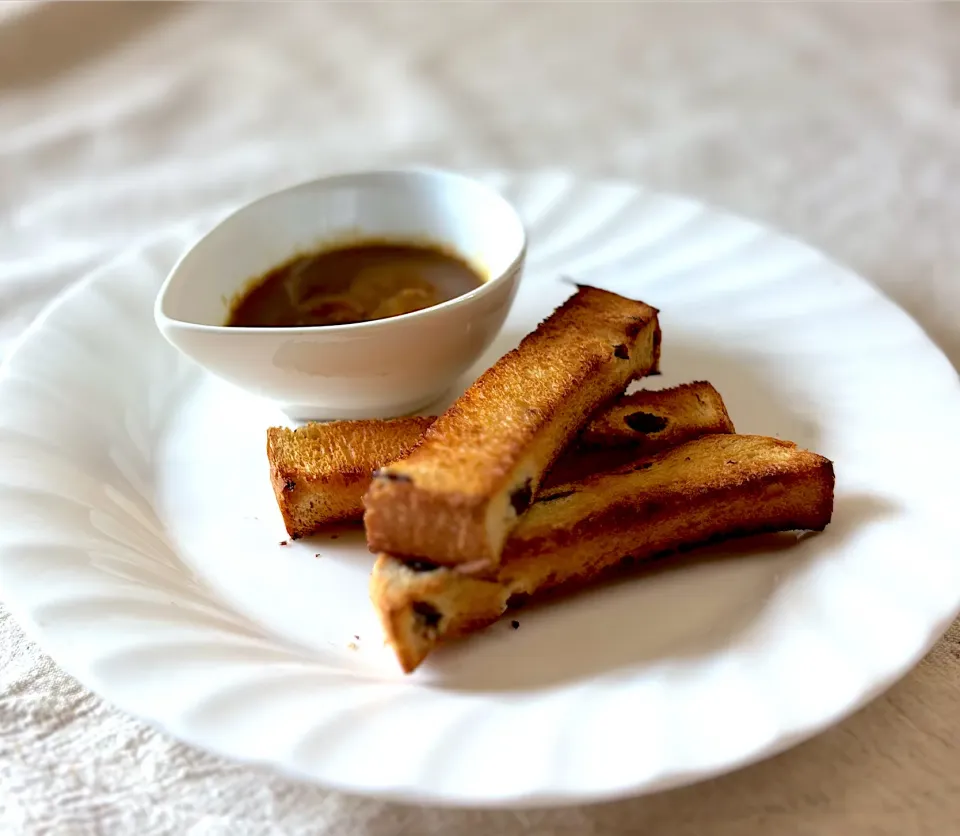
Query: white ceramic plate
[[140, 543]]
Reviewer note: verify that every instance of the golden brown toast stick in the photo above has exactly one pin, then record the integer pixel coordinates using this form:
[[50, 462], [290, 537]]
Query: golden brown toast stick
[[320, 472], [642, 424], [458, 494], [708, 489], [652, 420]]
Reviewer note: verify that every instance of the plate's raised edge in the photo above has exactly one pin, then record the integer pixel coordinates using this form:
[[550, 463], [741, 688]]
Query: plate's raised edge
[[190, 230]]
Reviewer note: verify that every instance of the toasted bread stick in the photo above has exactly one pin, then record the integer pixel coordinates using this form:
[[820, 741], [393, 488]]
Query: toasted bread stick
[[321, 471], [458, 494], [653, 420], [642, 424], [712, 488]]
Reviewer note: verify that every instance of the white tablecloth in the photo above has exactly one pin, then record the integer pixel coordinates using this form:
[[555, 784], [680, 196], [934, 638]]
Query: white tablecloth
[[839, 124]]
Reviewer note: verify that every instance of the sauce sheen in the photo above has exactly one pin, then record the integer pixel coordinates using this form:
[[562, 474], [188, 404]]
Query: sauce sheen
[[356, 283]]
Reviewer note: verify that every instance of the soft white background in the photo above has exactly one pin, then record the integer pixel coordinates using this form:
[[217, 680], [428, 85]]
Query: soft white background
[[838, 123]]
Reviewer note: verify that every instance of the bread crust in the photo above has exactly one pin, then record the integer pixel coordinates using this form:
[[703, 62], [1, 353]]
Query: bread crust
[[708, 489], [457, 495]]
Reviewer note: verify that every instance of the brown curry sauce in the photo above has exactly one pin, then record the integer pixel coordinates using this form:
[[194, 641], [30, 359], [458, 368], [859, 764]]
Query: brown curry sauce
[[353, 283]]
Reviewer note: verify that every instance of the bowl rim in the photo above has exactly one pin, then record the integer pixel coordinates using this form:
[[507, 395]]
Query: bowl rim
[[162, 318]]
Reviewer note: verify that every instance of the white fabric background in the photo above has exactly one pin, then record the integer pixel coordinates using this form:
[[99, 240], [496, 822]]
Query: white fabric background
[[840, 124]]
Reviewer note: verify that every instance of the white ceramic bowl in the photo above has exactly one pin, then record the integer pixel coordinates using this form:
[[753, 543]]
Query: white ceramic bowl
[[366, 370]]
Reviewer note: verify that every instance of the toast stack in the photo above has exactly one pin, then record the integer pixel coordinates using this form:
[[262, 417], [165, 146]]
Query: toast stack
[[543, 476], [320, 472]]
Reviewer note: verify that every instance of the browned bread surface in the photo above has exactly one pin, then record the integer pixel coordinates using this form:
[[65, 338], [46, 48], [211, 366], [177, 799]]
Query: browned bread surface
[[456, 496], [654, 420], [712, 488], [641, 424], [320, 472]]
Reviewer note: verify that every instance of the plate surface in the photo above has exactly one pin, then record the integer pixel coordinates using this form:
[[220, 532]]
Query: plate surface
[[141, 546]]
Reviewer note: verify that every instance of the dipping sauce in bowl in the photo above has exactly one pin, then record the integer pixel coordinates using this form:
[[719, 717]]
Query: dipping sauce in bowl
[[358, 282], [279, 298]]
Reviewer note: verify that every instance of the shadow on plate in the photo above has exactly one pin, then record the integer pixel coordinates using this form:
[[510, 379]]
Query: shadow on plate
[[350, 540], [681, 607]]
